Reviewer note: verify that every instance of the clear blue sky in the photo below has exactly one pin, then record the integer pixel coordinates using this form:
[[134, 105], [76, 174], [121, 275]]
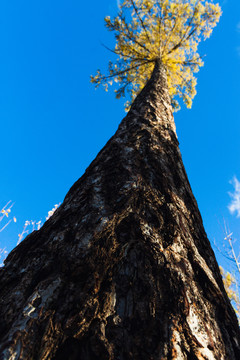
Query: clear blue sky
[[53, 121]]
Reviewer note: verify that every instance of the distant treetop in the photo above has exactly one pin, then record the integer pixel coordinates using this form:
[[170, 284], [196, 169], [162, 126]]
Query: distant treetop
[[170, 30]]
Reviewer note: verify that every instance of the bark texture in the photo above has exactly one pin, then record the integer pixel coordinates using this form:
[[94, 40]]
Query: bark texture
[[123, 269]]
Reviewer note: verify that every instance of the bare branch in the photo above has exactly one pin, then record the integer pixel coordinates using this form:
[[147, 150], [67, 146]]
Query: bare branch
[[132, 58], [104, 78]]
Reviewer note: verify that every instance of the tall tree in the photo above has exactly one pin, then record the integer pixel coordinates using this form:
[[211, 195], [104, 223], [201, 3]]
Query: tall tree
[[123, 269]]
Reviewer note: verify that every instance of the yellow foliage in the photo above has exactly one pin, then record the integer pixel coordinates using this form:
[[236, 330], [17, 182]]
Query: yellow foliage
[[231, 287], [167, 29]]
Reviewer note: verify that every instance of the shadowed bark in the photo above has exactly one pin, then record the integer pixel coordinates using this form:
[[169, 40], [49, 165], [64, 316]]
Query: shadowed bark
[[123, 269]]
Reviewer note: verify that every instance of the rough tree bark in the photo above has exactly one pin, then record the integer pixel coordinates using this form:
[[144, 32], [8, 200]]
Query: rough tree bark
[[123, 269]]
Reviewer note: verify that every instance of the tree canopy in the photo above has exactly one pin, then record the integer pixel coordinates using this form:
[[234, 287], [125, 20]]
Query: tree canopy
[[170, 30]]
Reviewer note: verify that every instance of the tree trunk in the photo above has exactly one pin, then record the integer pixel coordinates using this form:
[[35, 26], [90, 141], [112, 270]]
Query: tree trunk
[[123, 269]]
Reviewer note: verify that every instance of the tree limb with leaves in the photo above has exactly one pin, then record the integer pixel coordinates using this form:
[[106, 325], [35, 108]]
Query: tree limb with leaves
[[169, 30]]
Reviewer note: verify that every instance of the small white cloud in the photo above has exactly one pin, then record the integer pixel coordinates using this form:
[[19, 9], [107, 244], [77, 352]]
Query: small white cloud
[[234, 205], [238, 27]]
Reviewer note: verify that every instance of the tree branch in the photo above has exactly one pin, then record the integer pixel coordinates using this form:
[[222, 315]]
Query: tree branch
[[140, 19]]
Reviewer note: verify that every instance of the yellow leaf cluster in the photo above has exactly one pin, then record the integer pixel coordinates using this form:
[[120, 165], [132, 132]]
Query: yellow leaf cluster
[[167, 29], [5, 212], [231, 287]]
